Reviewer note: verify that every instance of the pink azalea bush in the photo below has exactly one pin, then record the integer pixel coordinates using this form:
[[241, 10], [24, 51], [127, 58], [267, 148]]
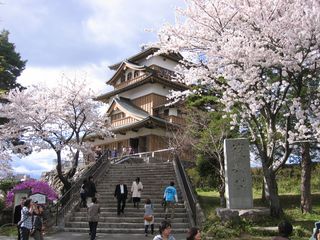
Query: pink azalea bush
[[36, 187]]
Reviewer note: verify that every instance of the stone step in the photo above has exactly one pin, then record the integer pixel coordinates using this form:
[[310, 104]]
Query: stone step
[[122, 231], [145, 180], [155, 177], [113, 213], [156, 201], [145, 192], [139, 167], [143, 172], [122, 225], [135, 171], [156, 186], [128, 209], [117, 219], [152, 176], [143, 164]]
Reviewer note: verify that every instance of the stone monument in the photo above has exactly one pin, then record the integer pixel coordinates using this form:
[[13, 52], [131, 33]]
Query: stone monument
[[238, 174], [239, 183]]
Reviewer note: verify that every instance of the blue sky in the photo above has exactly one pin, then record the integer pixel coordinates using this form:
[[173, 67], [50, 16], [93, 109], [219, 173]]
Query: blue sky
[[77, 38]]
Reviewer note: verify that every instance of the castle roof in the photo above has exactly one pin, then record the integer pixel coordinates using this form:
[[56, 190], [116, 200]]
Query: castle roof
[[144, 119], [126, 106], [144, 54], [122, 67], [149, 122], [149, 78]]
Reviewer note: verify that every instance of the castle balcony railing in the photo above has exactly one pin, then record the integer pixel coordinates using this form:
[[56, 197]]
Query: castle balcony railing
[[162, 72], [154, 70], [133, 80], [122, 121]]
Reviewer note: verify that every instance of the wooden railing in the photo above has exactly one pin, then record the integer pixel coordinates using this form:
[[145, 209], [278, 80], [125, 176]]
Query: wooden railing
[[132, 81], [157, 71], [122, 121], [162, 72], [175, 119]]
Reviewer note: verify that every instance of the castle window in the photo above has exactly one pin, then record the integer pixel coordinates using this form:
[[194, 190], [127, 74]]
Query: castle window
[[117, 116], [123, 78], [129, 76], [136, 74]]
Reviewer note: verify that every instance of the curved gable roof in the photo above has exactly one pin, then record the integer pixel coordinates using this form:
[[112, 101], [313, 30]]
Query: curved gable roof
[[122, 67], [144, 54], [126, 106]]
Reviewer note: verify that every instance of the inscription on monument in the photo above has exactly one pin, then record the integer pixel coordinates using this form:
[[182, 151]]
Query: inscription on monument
[[238, 174]]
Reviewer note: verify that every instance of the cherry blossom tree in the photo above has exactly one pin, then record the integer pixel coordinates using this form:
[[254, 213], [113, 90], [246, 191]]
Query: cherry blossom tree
[[262, 56], [60, 118]]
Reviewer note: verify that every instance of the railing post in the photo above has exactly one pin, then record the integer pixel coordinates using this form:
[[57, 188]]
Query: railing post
[[57, 211]]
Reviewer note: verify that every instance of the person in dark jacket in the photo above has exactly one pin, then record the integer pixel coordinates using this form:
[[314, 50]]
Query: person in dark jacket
[[91, 188], [285, 229], [37, 223], [83, 193], [121, 193], [93, 217], [193, 234], [17, 214]]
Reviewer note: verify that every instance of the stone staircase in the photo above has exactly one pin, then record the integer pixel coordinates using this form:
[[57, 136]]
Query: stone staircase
[[154, 177]]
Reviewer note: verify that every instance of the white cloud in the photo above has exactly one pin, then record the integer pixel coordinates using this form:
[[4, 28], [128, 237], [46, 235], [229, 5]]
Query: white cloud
[[121, 22], [94, 74], [34, 164], [79, 39]]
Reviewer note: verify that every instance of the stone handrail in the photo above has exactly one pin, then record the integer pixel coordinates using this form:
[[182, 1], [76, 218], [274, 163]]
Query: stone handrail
[[195, 212], [71, 198]]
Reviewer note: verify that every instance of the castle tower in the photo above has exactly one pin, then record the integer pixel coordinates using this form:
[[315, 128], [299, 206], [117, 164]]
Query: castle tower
[[140, 117]]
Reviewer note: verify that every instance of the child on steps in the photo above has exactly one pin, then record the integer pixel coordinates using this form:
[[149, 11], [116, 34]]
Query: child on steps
[[148, 216]]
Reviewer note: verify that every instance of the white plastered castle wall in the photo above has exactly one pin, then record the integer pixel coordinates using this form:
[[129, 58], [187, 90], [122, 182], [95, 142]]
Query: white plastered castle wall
[[159, 61], [146, 89]]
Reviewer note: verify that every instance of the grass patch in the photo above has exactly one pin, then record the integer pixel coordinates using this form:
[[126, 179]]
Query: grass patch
[[8, 231], [303, 223]]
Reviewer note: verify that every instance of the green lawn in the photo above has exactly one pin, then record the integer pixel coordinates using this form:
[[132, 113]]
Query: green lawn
[[303, 223]]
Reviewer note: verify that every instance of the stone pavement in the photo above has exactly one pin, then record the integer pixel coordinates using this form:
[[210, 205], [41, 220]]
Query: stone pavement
[[100, 236]]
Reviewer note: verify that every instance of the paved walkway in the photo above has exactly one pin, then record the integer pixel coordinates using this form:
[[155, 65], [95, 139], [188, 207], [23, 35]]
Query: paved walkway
[[100, 236]]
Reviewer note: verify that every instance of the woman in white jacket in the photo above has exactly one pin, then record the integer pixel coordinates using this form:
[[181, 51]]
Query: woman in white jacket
[[136, 190]]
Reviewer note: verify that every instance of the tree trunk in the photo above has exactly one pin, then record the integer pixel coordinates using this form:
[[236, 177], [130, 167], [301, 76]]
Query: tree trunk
[[272, 189], [63, 179], [265, 196], [72, 171], [222, 185], [305, 187], [222, 190]]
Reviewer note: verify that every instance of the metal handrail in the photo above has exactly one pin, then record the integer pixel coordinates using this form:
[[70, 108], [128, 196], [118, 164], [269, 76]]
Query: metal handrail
[[71, 198], [127, 157], [191, 196]]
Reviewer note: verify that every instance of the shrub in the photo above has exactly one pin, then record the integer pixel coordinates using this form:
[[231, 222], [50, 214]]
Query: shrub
[[2, 205], [35, 187]]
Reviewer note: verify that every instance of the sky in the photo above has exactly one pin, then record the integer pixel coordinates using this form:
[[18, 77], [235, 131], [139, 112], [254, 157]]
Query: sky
[[78, 38]]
